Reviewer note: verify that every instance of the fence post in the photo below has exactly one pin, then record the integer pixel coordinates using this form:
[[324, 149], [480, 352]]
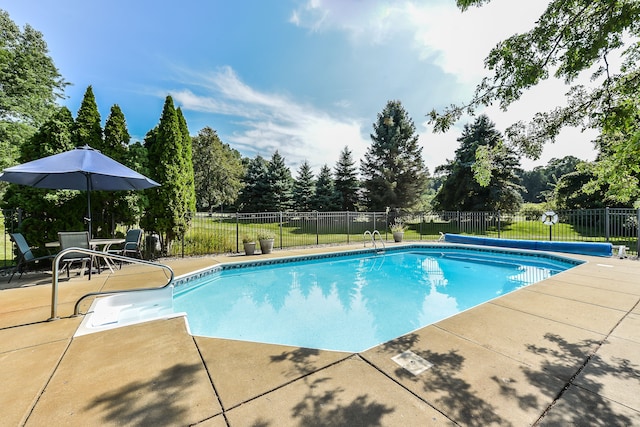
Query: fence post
[[237, 233], [459, 223], [280, 229], [606, 223], [498, 223], [348, 230], [317, 229], [638, 232]]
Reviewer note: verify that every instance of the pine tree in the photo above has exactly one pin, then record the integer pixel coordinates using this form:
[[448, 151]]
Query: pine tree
[[254, 196], [346, 181], [168, 204], [280, 189], [393, 170], [88, 129], [326, 199], [462, 191], [116, 136], [304, 188]]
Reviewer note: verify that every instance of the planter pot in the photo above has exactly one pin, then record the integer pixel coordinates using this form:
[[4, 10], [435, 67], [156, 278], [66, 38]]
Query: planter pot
[[398, 236], [249, 248], [266, 245]]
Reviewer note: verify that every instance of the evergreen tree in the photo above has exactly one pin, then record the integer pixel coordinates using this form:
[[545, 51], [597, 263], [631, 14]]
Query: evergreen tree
[[280, 190], [118, 207], [304, 189], [88, 130], [168, 204], [326, 199], [393, 171], [346, 181], [187, 163], [116, 136], [218, 171], [462, 191], [254, 196]]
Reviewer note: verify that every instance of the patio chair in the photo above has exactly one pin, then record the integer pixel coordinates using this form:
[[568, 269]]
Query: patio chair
[[25, 256], [131, 246], [76, 239]]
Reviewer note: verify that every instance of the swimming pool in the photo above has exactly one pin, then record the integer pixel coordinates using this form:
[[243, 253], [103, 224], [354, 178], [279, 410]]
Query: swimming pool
[[355, 300]]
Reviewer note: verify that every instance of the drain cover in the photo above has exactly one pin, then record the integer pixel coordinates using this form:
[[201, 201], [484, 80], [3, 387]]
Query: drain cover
[[412, 362]]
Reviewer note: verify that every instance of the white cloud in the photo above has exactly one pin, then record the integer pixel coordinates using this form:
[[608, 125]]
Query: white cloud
[[271, 121], [457, 43]]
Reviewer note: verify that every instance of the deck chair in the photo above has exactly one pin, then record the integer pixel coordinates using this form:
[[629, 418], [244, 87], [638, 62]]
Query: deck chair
[[131, 245], [76, 239], [25, 256]]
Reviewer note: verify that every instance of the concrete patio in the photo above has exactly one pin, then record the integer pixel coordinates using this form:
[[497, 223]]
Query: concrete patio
[[565, 351]]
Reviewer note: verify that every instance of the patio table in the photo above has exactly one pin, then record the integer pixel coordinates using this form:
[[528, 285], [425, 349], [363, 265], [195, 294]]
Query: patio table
[[95, 243]]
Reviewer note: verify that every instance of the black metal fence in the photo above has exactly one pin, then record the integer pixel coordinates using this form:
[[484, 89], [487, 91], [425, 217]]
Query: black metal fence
[[214, 233], [219, 233]]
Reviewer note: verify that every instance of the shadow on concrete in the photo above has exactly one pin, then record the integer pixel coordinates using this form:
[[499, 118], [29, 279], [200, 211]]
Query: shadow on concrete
[[323, 407], [151, 402], [599, 410], [300, 358], [459, 401]]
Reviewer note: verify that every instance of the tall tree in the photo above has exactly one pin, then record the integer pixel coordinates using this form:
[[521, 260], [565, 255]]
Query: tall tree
[[280, 189], [88, 128], [346, 180], [304, 189], [168, 204], [394, 174], [326, 199], [218, 171], [187, 163], [30, 85], [88, 131], [569, 40], [118, 207], [461, 189], [254, 196]]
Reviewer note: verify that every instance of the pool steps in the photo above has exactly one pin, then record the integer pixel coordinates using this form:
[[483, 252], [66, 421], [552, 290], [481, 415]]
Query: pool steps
[[119, 310]]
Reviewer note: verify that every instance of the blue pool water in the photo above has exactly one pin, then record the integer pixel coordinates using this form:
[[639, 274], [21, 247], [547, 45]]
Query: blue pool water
[[353, 302]]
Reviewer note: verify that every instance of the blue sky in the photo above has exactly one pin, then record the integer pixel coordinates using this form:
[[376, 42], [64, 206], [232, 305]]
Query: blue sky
[[304, 77]]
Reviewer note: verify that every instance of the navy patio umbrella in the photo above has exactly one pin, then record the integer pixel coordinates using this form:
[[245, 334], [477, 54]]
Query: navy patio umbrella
[[82, 168]]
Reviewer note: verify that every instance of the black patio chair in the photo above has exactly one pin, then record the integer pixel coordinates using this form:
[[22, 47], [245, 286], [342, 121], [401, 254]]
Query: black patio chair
[[25, 256], [76, 239]]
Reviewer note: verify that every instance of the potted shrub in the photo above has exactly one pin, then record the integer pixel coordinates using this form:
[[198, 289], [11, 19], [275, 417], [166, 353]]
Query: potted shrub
[[249, 244], [266, 239], [398, 228]]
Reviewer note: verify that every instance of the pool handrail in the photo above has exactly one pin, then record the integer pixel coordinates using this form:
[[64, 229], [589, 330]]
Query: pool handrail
[[373, 239], [111, 256]]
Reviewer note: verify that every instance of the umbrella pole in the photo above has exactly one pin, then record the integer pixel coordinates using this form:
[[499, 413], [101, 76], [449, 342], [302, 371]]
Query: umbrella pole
[[88, 218]]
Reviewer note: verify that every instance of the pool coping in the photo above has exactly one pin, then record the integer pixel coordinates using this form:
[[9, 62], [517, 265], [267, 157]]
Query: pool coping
[[485, 372]]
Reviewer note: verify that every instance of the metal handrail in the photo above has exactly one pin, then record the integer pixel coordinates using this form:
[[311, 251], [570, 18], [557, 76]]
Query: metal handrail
[[373, 236], [373, 239], [56, 268]]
